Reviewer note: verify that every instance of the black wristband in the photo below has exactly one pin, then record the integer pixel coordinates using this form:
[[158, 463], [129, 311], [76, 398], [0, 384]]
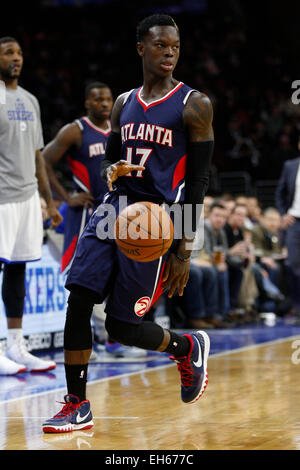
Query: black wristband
[[197, 176]]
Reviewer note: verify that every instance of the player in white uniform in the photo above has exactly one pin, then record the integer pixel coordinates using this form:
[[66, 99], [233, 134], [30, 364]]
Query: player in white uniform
[[22, 177]]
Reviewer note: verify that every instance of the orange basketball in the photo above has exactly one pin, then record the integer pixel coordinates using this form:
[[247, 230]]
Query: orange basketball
[[144, 231]]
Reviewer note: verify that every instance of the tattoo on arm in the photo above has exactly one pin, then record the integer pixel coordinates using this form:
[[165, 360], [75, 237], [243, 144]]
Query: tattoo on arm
[[198, 116]]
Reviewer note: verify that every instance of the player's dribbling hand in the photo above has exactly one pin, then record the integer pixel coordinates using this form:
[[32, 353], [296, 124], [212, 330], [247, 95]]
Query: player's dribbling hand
[[176, 275], [121, 168]]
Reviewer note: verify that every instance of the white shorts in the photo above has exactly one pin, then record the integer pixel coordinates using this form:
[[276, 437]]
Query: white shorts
[[21, 230]]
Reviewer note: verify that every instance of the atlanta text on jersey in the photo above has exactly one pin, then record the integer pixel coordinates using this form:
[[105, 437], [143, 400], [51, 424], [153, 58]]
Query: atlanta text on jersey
[[147, 133]]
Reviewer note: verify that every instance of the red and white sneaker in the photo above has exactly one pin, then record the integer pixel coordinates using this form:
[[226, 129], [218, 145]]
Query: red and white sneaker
[[8, 367], [73, 416], [193, 367]]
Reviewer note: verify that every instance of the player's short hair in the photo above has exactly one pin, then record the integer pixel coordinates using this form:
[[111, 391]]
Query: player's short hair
[[6, 39], [157, 19], [92, 85]]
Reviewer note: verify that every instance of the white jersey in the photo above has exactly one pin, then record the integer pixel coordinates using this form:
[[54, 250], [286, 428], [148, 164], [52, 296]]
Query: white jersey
[[20, 137]]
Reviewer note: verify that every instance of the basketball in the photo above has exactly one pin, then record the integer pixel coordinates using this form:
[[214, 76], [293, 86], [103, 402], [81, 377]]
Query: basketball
[[144, 231]]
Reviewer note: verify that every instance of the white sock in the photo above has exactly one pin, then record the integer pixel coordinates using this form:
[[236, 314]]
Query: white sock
[[14, 335]]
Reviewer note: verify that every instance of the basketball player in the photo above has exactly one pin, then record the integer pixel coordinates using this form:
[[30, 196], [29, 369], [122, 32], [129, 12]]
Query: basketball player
[[161, 138], [83, 144], [22, 174]]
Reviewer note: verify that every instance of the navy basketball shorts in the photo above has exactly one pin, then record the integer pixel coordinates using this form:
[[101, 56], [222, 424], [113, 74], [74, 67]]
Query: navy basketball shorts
[[129, 287]]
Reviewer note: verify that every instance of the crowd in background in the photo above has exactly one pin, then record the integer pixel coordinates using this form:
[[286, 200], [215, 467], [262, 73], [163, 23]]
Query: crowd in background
[[238, 273]]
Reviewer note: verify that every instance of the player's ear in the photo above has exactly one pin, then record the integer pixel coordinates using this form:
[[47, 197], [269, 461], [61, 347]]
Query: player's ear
[[140, 49]]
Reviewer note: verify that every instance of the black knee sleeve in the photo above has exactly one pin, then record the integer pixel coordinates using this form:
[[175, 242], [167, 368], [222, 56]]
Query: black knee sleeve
[[13, 289], [145, 335], [78, 332]]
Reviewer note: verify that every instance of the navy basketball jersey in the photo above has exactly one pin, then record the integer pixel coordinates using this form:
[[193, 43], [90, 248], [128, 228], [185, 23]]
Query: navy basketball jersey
[[85, 162], [153, 136]]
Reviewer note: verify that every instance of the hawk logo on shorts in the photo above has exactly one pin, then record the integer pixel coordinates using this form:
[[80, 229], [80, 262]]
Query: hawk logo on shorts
[[141, 306]]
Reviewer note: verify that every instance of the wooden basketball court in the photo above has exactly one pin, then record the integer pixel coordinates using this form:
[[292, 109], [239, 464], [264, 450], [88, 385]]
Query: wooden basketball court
[[251, 403]]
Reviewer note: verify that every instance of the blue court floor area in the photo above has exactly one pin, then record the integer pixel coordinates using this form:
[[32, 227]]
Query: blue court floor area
[[104, 365]]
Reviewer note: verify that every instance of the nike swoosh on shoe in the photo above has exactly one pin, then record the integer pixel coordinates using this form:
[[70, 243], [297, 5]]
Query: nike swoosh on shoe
[[198, 363], [79, 418]]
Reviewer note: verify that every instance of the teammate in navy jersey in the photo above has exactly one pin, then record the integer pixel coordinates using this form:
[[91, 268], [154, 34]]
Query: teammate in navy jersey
[[160, 150], [82, 143]]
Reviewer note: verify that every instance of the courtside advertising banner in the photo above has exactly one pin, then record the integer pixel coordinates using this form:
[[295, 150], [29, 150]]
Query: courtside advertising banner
[[45, 301]]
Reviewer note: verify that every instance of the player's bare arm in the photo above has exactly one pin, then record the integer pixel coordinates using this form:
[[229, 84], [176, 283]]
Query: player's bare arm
[[44, 189], [118, 167], [67, 137], [197, 116]]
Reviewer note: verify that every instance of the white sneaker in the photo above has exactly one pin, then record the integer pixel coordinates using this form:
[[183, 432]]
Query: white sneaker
[[8, 367], [17, 352]]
